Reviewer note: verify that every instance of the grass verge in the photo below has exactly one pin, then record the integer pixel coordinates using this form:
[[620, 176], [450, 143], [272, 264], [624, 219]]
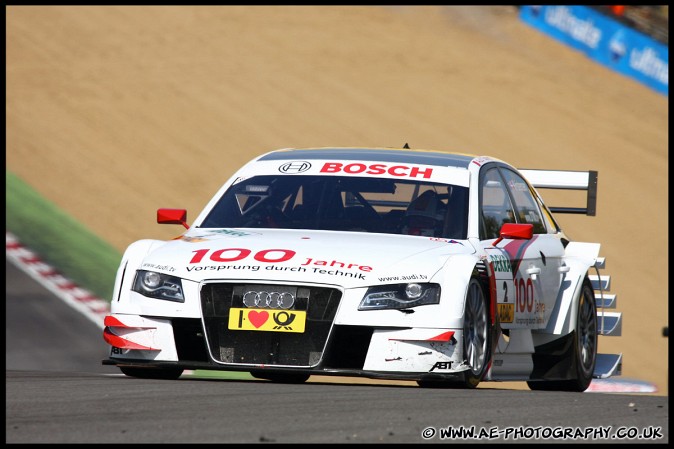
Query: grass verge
[[59, 240], [63, 242]]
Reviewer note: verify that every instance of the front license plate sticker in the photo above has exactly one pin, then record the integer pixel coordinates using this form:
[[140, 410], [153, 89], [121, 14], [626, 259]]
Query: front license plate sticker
[[270, 320]]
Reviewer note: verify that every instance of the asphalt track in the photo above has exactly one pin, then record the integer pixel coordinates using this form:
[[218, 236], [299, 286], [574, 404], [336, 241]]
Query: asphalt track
[[57, 391]]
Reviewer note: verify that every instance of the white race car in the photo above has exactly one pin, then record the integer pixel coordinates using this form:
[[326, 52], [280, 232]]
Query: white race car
[[445, 269]]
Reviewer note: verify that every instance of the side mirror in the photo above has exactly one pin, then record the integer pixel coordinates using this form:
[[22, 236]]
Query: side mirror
[[515, 231], [172, 216]]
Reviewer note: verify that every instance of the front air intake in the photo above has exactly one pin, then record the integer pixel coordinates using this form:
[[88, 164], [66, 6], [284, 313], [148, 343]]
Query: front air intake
[[251, 323]]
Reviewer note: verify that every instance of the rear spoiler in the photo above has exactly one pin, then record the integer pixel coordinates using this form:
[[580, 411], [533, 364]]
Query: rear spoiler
[[566, 180]]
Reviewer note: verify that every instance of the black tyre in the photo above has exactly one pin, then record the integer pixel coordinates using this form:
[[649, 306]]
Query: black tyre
[[152, 373], [284, 378], [476, 341], [476, 334], [582, 354]]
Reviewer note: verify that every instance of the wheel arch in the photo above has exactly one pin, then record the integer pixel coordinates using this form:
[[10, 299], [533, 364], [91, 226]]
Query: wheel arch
[[482, 272], [456, 276], [563, 317]]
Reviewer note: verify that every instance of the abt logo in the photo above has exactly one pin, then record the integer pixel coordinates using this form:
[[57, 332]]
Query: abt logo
[[441, 365]]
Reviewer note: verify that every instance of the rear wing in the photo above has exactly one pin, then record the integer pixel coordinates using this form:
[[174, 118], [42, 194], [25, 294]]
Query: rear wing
[[566, 180]]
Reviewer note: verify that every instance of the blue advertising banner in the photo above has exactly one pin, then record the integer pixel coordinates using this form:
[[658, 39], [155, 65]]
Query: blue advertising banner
[[605, 40]]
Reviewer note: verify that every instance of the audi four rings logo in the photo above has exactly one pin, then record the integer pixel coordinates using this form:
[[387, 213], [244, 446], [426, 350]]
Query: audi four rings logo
[[272, 300], [295, 167]]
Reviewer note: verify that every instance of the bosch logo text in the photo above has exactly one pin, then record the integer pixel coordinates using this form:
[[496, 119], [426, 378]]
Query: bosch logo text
[[402, 171]]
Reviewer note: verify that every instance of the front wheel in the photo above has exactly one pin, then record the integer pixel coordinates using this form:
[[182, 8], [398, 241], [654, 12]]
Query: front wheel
[[476, 341], [476, 334]]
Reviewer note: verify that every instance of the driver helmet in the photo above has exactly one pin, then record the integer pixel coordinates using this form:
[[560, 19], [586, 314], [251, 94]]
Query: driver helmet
[[424, 214]]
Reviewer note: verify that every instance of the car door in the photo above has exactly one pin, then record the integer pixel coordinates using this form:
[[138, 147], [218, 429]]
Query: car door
[[538, 277], [526, 271]]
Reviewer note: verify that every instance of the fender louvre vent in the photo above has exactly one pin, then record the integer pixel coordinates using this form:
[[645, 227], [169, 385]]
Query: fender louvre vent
[[481, 270]]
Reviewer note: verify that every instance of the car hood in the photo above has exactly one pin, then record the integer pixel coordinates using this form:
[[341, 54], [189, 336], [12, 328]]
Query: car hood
[[326, 257]]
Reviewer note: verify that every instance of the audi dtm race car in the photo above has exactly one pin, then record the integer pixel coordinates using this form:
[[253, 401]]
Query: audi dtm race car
[[445, 269]]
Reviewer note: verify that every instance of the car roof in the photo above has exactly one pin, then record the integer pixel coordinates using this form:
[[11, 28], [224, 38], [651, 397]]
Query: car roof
[[423, 157]]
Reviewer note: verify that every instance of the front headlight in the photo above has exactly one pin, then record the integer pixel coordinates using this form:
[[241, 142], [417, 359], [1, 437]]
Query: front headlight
[[400, 296], [158, 285]]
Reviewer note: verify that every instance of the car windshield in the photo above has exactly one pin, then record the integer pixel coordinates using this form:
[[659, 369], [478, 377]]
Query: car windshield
[[348, 203]]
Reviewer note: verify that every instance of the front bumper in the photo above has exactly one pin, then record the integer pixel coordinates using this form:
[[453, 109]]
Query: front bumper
[[412, 354], [225, 338]]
